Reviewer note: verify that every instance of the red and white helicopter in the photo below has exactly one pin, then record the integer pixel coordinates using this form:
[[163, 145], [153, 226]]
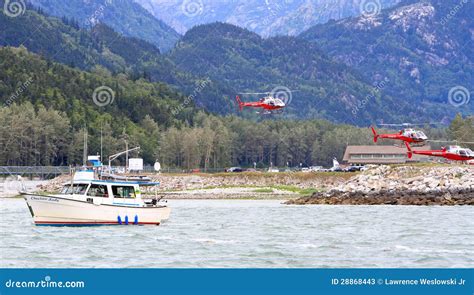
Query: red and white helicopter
[[407, 135], [270, 103], [454, 153]]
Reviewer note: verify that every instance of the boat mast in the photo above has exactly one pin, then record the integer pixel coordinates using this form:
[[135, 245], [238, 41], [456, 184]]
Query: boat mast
[[101, 139], [84, 156]]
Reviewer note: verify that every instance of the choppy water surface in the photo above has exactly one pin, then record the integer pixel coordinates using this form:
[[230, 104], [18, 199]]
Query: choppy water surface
[[221, 233]]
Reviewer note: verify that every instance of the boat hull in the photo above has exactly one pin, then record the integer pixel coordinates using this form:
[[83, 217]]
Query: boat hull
[[57, 211]]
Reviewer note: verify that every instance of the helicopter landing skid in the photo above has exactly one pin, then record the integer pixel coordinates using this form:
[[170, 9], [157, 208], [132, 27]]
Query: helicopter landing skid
[[277, 112], [412, 145]]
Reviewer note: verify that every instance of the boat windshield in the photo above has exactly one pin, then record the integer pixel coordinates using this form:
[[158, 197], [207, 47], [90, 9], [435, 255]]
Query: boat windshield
[[77, 189], [98, 190], [121, 191]]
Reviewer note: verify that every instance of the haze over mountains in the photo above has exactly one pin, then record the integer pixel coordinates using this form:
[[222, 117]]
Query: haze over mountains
[[394, 65], [265, 17], [124, 16]]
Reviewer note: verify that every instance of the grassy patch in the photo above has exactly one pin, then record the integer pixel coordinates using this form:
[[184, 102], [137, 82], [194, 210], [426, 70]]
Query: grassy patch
[[263, 190]]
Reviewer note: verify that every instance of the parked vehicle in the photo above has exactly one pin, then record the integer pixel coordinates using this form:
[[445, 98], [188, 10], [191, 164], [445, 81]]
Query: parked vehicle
[[234, 169], [316, 168]]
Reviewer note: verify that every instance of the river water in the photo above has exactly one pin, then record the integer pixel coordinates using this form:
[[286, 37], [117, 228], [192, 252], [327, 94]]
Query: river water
[[238, 233]]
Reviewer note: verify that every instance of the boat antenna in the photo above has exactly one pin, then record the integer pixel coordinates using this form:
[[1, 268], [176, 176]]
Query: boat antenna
[[115, 156], [84, 156], [101, 139]]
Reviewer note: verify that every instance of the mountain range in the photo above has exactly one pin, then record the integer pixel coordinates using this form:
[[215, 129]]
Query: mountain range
[[265, 17], [424, 49], [395, 64]]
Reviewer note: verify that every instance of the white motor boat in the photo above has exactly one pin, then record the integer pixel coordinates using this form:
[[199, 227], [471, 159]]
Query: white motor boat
[[89, 201]]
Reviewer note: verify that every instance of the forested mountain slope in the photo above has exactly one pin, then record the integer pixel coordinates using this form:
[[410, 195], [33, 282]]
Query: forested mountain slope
[[424, 49], [124, 16], [326, 89]]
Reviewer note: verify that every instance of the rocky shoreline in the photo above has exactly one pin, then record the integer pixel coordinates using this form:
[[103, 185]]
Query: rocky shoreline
[[261, 186], [405, 185]]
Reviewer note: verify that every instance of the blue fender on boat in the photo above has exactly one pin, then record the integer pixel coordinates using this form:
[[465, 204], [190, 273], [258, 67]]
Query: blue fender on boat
[[119, 220], [126, 219], [135, 221]]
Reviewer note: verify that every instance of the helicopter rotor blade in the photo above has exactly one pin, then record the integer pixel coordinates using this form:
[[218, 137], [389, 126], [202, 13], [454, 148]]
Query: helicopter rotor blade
[[268, 92], [254, 93], [410, 124]]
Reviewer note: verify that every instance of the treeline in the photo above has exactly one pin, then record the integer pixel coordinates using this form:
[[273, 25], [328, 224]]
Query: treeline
[[43, 136]]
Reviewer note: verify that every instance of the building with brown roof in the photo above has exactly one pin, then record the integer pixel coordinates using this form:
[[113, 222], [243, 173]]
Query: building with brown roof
[[381, 154]]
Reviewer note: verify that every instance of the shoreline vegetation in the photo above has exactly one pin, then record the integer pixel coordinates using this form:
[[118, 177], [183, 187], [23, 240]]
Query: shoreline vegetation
[[423, 184]]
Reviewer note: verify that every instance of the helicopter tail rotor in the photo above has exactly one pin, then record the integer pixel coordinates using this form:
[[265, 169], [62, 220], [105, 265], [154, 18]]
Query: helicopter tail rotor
[[241, 104], [376, 136], [409, 151]]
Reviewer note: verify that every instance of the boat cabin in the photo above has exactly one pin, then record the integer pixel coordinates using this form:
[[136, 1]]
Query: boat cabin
[[107, 192]]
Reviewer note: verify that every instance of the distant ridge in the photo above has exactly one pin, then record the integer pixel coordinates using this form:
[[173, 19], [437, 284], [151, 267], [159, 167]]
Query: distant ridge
[[124, 16]]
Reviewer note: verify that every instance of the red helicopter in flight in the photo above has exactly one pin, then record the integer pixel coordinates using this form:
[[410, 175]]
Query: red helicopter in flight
[[454, 152], [270, 103], [407, 135]]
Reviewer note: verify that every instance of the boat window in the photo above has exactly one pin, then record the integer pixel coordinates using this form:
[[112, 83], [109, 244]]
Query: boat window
[[98, 190], [80, 189], [123, 191], [66, 190]]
